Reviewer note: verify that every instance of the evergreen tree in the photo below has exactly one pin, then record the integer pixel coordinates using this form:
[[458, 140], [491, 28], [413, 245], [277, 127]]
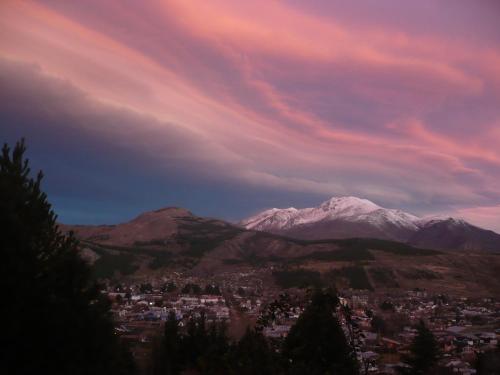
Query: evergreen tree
[[214, 358], [316, 344], [146, 288], [253, 356], [488, 363], [424, 351], [191, 289], [166, 355], [194, 343], [279, 307], [378, 324], [212, 289], [171, 345], [199, 349], [56, 321], [171, 287]]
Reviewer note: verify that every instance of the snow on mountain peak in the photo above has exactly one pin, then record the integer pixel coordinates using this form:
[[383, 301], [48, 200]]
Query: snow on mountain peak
[[348, 205], [274, 218], [349, 208], [349, 217]]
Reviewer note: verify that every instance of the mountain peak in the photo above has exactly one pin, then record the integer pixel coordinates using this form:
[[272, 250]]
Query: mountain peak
[[346, 209], [349, 203], [348, 217]]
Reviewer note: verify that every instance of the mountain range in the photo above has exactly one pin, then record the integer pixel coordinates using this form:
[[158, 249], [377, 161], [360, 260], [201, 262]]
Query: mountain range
[[171, 239], [352, 217]]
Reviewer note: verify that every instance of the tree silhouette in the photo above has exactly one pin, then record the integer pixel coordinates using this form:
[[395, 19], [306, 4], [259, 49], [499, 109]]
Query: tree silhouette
[[488, 363], [316, 344], [199, 349], [55, 319], [171, 345], [166, 353], [424, 351], [252, 355], [213, 360]]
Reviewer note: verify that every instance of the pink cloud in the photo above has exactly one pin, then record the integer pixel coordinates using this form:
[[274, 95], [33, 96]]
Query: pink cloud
[[281, 96]]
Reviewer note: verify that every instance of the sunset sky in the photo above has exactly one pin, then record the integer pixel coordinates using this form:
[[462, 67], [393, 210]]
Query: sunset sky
[[230, 107]]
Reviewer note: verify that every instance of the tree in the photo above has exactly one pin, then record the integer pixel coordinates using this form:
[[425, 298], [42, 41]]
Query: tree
[[212, 289], [190, 288], [171, 344], [378, 324], [128, 295], [316, 344], [199, 349], [213, 360], [194, 343], [424, 351], [146, 288], [119, 299], [56, 319], [278, 308], [488, 363], [252, 355], [387, 306], [171, 287]]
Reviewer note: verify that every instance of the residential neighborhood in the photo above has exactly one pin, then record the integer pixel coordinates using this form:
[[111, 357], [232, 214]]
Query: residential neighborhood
[[380, 326]]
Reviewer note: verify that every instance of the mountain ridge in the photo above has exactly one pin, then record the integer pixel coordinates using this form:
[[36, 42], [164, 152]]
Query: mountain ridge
[[349, 217]]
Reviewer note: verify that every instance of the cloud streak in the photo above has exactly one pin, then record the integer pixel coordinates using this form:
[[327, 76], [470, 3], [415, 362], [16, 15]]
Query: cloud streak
[[307, 99]]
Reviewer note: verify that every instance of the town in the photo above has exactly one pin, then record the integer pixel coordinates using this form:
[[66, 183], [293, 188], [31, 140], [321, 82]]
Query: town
[[379, 325]]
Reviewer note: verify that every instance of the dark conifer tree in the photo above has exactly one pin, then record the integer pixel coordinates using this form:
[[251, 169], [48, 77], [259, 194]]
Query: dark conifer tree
[[194, 343], [171, 345], [378, 324], [252, 356], [166, 355], [189, 344], [213, 361], [171, 287], [488, 363], [199, 349], [55, 319], [317, 344], [424, 352]]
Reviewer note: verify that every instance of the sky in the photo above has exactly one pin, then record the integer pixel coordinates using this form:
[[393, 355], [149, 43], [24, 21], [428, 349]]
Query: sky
[[230, 107]]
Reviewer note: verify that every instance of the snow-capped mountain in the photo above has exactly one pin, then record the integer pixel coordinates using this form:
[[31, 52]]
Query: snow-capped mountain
[[333, 217], [347, 217]]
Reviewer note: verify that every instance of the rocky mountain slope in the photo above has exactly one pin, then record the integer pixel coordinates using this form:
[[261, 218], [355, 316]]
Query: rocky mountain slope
[[348, 217]]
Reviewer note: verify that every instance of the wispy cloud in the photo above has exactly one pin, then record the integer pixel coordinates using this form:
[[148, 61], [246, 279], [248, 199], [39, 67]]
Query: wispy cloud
[[398, 105]]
